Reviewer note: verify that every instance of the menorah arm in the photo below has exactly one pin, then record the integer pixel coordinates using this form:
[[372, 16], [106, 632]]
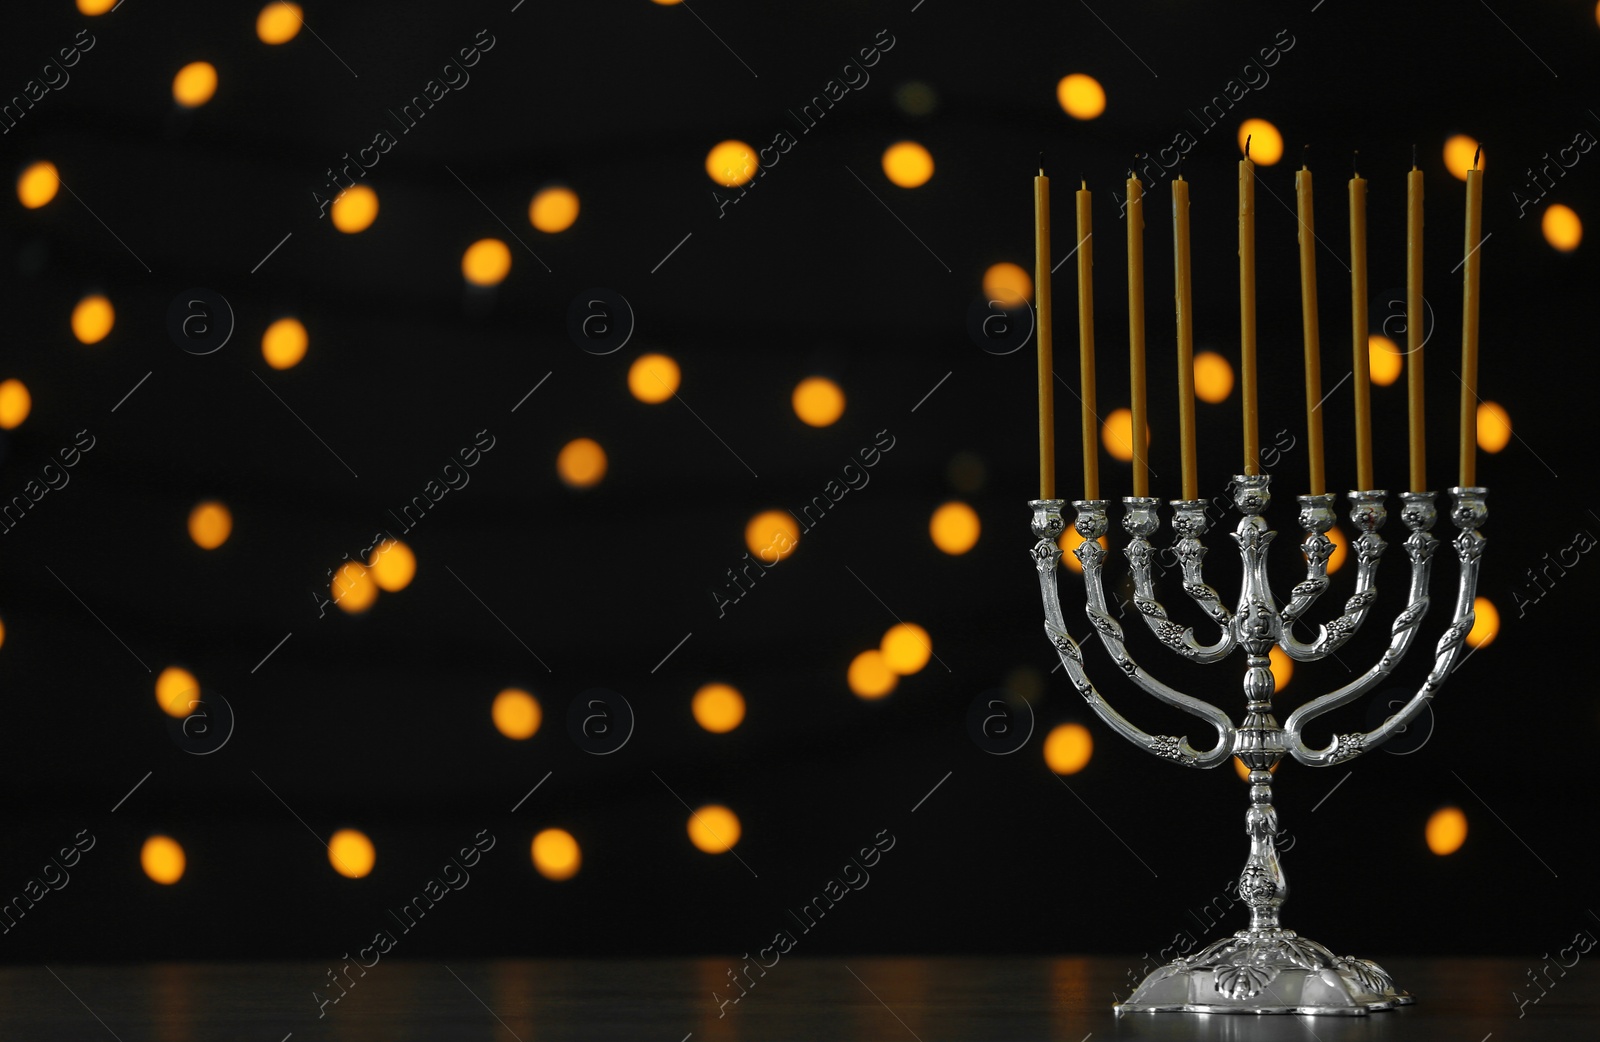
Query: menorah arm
[[1368, 513], [1048, 525], [1091, 524], [1419, 516], [1189, 520], [1316, 517], [1169, 747], [1468, 514]]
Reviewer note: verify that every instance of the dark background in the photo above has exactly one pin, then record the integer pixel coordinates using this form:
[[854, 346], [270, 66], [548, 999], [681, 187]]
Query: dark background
[[381, 722]]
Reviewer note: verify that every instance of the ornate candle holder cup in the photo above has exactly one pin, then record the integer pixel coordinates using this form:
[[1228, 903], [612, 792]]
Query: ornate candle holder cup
[[1263, 968]]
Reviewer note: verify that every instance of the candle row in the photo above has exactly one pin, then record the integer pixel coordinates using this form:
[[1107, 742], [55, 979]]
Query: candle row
[[1247, 324]]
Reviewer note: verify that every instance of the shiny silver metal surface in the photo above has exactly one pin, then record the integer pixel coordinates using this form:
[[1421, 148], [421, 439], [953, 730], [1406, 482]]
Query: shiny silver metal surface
[[1263, 968]]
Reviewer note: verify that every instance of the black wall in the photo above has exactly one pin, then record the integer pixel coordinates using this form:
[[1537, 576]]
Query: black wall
[[381, 722]]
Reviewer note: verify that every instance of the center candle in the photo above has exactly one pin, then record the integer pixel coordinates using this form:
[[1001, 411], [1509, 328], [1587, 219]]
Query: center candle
[[1091, 439], [1247, 310]]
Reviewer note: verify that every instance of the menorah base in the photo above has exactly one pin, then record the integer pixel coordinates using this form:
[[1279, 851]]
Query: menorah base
[[1266, 971]]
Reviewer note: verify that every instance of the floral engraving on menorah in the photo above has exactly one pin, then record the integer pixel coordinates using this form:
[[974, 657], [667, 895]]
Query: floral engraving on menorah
[[1263, 968]]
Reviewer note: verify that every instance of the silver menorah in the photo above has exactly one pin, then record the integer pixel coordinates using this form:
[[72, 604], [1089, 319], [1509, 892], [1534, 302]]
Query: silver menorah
[[1264, 968]]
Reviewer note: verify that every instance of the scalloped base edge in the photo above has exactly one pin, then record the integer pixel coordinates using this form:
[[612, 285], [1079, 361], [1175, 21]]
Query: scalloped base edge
[[1287, 987]]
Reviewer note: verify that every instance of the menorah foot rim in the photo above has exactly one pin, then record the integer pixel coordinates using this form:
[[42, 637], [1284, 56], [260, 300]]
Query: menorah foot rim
[[1267, 971]]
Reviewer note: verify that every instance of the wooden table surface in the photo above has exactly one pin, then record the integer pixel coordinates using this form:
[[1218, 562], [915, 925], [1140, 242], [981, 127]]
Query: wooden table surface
[[817, 1000]]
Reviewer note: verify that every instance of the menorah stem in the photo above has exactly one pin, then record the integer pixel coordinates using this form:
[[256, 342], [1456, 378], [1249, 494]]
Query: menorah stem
[[1260, 744], [1261, 884]]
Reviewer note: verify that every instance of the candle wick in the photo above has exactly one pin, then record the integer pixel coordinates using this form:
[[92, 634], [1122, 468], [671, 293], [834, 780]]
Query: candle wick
[[1413, 155], [1247, 138], [1041, 164], [1475, 155], [1305, 156], [1355, 163]]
